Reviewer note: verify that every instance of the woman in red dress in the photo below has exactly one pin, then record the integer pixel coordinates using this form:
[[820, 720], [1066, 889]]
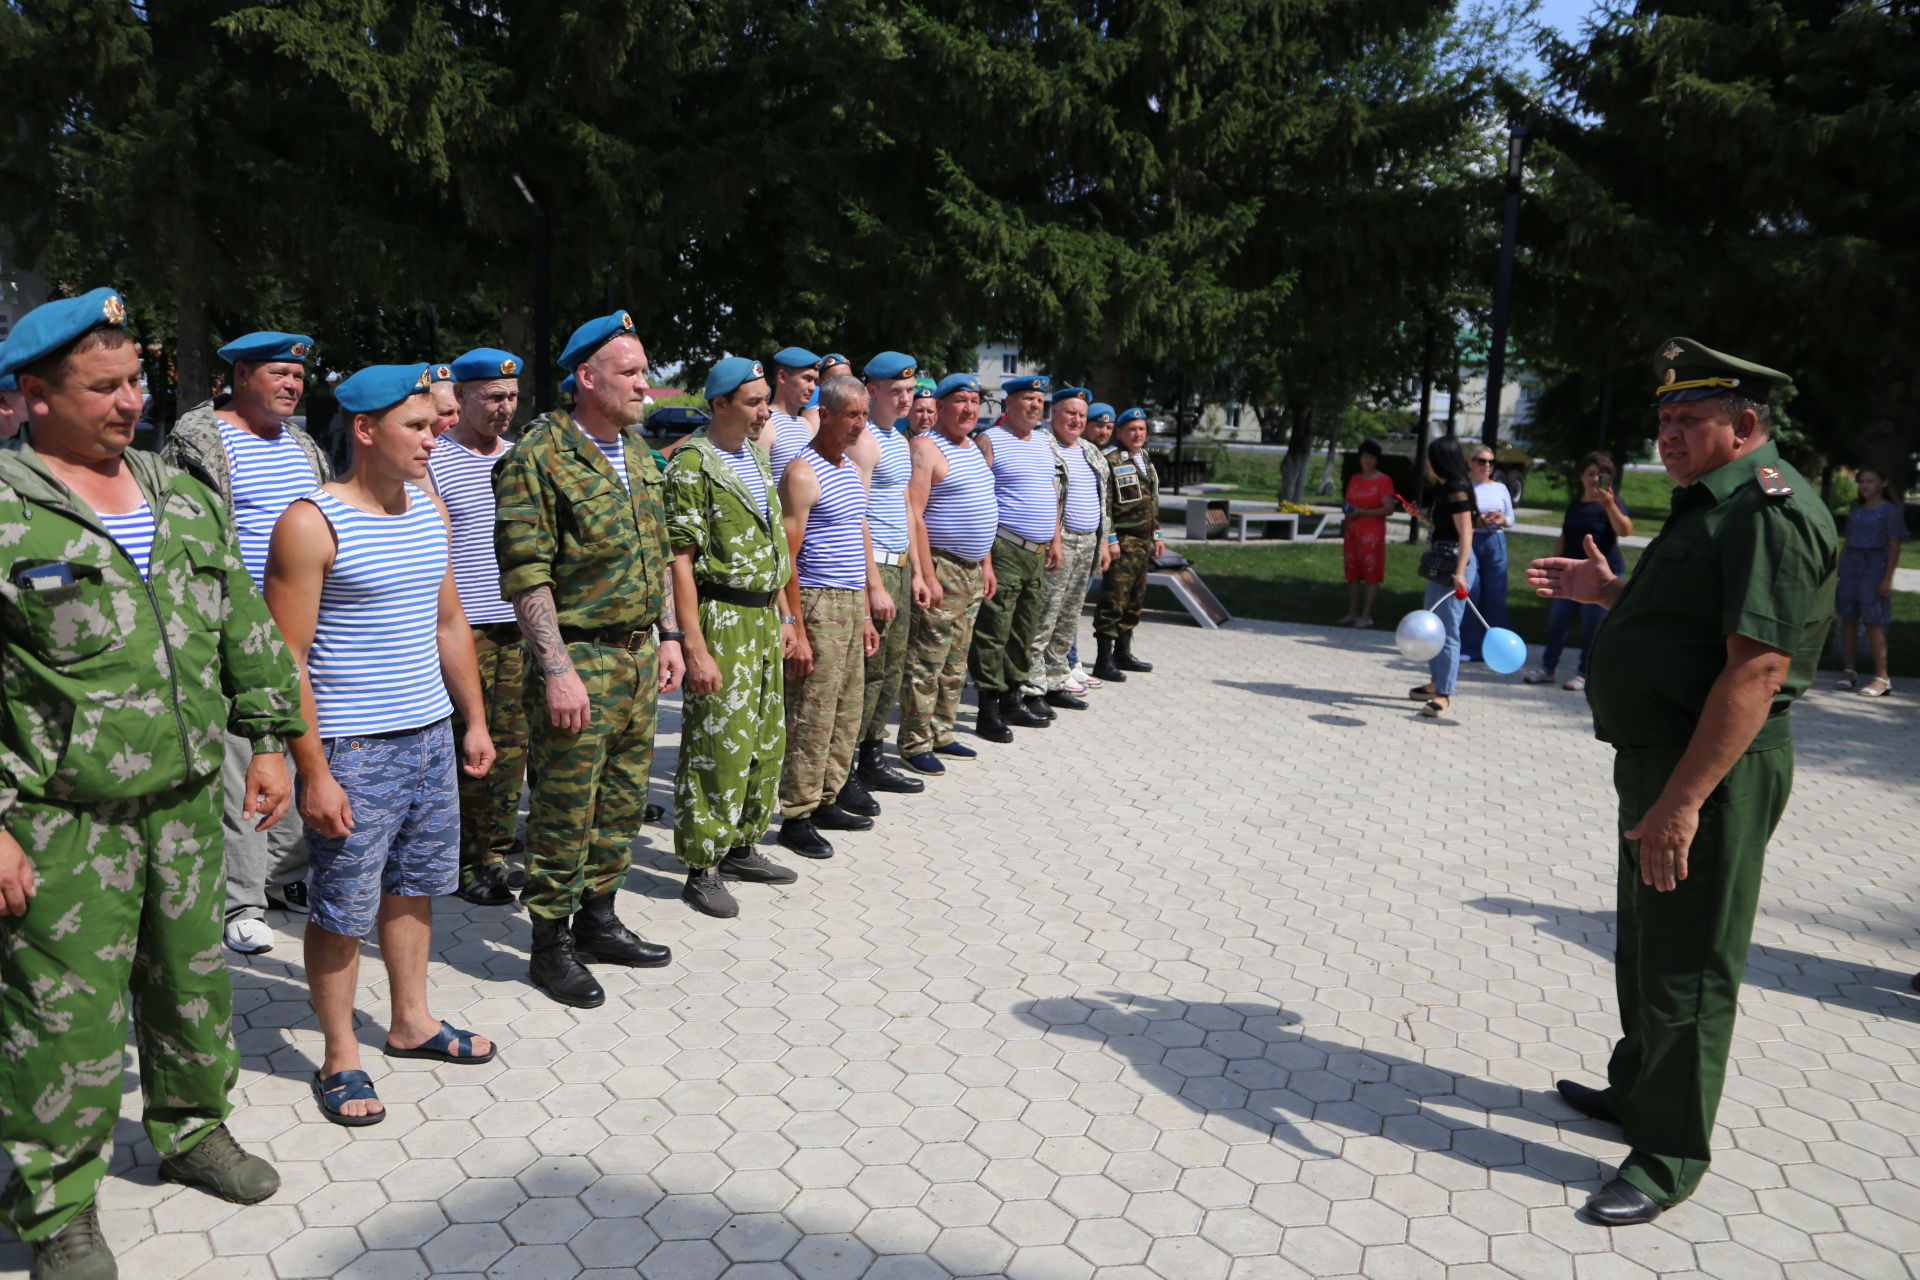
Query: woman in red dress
[[1369, 503]]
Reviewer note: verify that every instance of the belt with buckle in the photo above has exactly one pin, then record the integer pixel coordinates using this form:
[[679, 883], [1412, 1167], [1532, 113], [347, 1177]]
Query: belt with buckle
[[734, 595], [628, 640], [1028, 543], [948, 555], [889, 557]]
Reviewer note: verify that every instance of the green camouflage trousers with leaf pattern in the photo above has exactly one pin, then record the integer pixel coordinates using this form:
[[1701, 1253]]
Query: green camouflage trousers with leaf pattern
[[726, 783]]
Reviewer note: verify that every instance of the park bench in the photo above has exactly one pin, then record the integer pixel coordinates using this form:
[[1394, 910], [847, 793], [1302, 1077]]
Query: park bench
[[1215, 518]]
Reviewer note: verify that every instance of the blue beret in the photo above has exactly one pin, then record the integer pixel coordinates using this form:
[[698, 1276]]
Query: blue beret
[[922, 391], [833, 358], [381, 386], [956, 382], [889, 364], [1099, 412], [727, 375], [52, 325], [593, 335], [1133, 415], [486, 362], [1070, 393], [795, 358], [900, 425], [568, 385], [1029, 382], [266, 344], [440, 373]]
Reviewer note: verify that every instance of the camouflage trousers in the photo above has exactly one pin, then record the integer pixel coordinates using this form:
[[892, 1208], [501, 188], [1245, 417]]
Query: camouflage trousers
[[889, 661], [1123, 587], [490, 805], [1003, 634], [1061, 597], [589, 793], [823, 706], [131, 899], [937, 657], [726, 784]]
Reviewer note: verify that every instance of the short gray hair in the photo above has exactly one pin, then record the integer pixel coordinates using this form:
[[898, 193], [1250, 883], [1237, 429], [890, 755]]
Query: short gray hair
[[1732, 403], [838, 393]]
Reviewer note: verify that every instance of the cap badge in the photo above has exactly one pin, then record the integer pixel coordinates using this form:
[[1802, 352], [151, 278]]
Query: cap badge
[[299, 350], [443, 373], [1672, 351], [114, 310], [425, 379], [626, 321], [907, 372], [758, 372], [509, 367], [1671, 375]]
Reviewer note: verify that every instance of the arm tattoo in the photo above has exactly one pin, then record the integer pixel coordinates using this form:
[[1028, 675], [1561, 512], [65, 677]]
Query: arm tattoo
[[669, 611], [540, 626]]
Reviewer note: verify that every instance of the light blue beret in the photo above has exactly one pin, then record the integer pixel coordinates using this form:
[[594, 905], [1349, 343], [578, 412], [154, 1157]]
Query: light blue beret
[[888, 364], [52, 325], [381, 386], [795, 358], [1099, 412], [440, 373], [1028, 382], [955, 382], [486, 362], [922, 391], [1070, 393], [266, 344], [1133, 415], [727, 375], [832, 358], [593, 335]]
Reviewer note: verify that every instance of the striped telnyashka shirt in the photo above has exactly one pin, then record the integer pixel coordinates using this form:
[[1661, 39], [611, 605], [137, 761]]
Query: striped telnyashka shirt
[[268, 477], [961, 515], [464, 480], [832, 552]]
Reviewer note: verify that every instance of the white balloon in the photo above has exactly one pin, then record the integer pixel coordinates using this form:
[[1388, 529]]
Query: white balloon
[[1421, 635]]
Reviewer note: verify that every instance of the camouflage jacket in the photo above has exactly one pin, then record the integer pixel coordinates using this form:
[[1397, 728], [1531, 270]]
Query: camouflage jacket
[[195, 447], [1136, 497], [1102, 477], [709, 509], [112, 687], [562, 520]]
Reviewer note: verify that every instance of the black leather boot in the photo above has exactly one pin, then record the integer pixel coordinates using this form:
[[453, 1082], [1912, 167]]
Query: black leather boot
[[1014, 712], [831, 817], [988, 723], [1123, 655], [599, 936], [1061, 698], [854, 798], [879, 776], [800, 835], [1103, 668], [1036, 705], [557, 970]]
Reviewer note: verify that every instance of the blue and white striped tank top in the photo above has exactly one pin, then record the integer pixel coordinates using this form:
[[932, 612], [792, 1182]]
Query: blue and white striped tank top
[[1083, 492], [961, 515], [790, 436], [133, 530], [747, 467], [616, 453], [375, 660], [268, 477], [1023, 483], [832, 552], [887, 500], [464, 480]]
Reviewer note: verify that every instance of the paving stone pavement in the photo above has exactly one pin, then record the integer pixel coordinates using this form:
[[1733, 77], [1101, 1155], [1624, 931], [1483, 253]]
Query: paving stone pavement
[[1247, 972]]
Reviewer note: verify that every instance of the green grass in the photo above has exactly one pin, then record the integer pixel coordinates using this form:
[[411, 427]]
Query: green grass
[[1647, 495], [1306, 584]]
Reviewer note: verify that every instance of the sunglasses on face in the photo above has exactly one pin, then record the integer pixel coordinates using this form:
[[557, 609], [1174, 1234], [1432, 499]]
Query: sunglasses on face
[[1483, 462]]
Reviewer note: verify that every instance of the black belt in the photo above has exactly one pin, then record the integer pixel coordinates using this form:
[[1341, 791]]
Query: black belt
[[734, 595], [500, 632], [948, 555], [628, 640]]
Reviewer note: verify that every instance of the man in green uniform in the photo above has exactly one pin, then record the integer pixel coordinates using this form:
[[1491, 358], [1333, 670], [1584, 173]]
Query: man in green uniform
[[131, 638], [580, 532], [1693, 674], [730, 560], [1136, 520]]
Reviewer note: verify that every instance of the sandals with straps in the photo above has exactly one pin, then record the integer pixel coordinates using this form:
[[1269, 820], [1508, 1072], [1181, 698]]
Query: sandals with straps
[[335, 1091], [1849, 679], [448, 1044], [1878, 687], [1433, 710]]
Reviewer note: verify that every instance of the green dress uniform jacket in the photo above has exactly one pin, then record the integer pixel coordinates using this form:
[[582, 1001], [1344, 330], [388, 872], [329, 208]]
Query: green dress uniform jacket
[[1738, 556]]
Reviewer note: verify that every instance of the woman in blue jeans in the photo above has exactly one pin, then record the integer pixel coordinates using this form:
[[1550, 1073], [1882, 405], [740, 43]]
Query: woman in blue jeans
[[1489, 555], [1450, 520], [1597, 513]]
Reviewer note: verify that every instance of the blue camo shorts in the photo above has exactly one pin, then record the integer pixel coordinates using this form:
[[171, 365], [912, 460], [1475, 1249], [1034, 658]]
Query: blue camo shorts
[[406, 827]]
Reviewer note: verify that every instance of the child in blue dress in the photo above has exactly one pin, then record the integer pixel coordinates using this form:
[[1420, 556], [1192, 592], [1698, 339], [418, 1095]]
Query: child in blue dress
[[1875, 528]]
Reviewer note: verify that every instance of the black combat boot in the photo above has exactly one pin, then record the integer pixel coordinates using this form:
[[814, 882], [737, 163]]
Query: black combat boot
[[988, 723], [1123, 655], [1061, 698], [1014, 712], [599, 936], [1103, 668], [707, 893], [879, 776], [855, 798], [1036, 705], [800, 835], [555, 968], [831, 817]]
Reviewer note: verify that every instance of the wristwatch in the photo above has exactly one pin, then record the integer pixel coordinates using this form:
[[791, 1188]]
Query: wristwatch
[[789, 620], [678, 637]]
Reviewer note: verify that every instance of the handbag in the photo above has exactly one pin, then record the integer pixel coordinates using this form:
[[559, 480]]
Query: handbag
[[1439, 561]]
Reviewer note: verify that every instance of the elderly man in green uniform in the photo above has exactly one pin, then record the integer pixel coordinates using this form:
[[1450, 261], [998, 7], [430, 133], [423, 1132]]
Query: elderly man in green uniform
[[1135, 501], [730, 559], [131, 639], [580, 532], [1694, 671]]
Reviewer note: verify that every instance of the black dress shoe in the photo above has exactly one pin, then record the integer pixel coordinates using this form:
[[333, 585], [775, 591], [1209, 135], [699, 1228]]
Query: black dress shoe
[[1621, 1204], [855, 798], [831, 817], [599, 936], [1037, 705], [877, 775], [961, 751], [744, 862], [800, 835], [1013, 711], [1589, 1102], [1061, 698], [988, 723], [487, 886]]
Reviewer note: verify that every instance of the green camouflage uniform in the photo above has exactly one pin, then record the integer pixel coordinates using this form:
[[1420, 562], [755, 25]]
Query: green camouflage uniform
[[1064, 592], [115, 698], [937, 656], [887, 665], [490, 804], [726, 784], [823, 706], [563, 520], [1136, 518]]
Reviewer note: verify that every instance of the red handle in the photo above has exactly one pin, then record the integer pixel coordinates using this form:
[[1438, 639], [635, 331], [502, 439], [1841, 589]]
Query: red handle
[[1459, 593]]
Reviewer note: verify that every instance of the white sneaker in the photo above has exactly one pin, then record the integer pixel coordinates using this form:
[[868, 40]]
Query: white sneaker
[[1074, 683], [1575, 685], [249, 937], [1539, 675], [1085, 677]]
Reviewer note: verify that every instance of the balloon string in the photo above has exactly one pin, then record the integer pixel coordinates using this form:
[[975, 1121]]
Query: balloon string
[[1468, 601]]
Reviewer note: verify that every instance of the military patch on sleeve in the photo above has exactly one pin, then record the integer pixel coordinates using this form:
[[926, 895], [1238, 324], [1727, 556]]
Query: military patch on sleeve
[[1772, 483]]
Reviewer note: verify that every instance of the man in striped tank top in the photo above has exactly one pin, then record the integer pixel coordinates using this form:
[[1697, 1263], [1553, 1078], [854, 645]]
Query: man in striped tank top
[[1085, 542], [823, 502], [359, 579], [244, 447], [796, 377], [950, 502], [1027, 490], [486, 387]]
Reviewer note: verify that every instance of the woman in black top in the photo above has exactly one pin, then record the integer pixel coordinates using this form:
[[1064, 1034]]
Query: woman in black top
[[1451, 521]]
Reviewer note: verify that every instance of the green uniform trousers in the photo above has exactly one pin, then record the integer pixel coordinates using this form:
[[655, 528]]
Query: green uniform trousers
[[726, 782], [1003, 635], [1063, 596], [589, 795], [1123, 587], [937, 656], [490, 805], [823, 706], [131, 898], [1681, 958], [889, 662]]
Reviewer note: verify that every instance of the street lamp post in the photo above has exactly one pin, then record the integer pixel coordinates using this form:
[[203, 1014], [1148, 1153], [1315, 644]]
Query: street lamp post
[[542, 299], [1503, 286]]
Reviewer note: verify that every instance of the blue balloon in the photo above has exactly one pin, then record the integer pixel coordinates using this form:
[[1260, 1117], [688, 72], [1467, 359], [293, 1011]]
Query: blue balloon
[[1504, 651]]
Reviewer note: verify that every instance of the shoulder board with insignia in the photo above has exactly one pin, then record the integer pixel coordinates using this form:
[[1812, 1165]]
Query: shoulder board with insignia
[[1772, 483]]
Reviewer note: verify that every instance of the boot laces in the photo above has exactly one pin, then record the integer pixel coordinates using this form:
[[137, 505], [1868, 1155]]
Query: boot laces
[[77, 1239]]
